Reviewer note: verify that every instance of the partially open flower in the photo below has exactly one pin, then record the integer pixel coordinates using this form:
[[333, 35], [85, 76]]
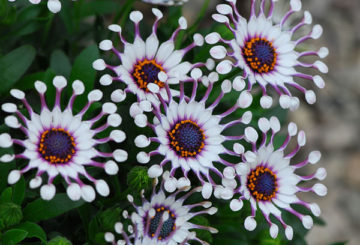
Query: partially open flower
[[59, 142], [146, 66], [269, 181], [163, 220], [266, 50]]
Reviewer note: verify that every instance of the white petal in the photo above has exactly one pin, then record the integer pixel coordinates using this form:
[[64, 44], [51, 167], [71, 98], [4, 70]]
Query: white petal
[[47, 192], [236, 204], [14, 177], [54, 5], [250, 223], [74, 192], [88, 193], [102, 188]]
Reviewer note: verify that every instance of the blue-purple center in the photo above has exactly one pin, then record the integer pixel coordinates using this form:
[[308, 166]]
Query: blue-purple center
[[146, 72], [186, 138], [262, 183], [260, 55], [56, 146], [167, 227]]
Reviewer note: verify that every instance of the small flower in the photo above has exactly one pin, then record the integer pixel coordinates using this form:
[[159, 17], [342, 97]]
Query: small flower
[[59, 240], [166, 2], [190, 135], [146, 66], [265, 50], [162, 220], [53, 5], [10, 215], [269, 181], [57, 142]]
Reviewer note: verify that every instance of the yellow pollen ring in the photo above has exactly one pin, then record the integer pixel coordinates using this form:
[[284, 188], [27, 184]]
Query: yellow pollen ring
[[180, 149], [159, 210], [140, 76], [253, 62], [252, 182], [42, 148]]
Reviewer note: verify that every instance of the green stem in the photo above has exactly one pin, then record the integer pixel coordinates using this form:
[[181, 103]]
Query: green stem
[[122, 15], [117, 186], [195, 26], [47, 28], [202, 13]]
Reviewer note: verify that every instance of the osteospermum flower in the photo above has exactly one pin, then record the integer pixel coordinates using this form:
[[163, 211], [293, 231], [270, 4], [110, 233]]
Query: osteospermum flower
[[190, 135], [268, 179], [147, 65], [58, 142], [166, 2], [163, 220], [53, 5], [266, 51]]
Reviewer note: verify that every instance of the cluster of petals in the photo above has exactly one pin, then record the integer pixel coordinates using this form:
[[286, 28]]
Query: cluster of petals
[[53, 5], [190, 136], [266, 50], [164, 219], [268, 180], [59, 142], [147, 65], [190, 130]]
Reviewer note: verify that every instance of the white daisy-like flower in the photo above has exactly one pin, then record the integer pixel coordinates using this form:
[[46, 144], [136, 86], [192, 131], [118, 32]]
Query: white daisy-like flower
[[146, 66], [190, 135], [53, 5], [266, 50], [166, 2], [163, 220], [268, 179], [58, 142]]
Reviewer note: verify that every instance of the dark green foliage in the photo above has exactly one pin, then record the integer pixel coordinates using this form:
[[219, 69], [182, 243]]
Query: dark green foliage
[[59, 241], [138, 179], [10, 214], [37, 45]]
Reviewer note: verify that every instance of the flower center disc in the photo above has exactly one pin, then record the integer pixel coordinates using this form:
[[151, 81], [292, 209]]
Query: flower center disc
[[57, 146], [262, 184], [145, 72], [186, 138], [167, 226], [260, 55]]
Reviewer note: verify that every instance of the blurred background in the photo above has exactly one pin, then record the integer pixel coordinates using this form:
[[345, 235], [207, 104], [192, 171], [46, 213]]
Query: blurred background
[[332, 124]]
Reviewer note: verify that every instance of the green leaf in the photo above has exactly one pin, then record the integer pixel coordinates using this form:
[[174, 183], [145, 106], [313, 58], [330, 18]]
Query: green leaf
[[14, 236], [60, 63], [98, 7], [33, 230], [27, 81], [42, 210], [59, 240], [82, 68], [109, 217], [10, 214], [202, 233], [6, 195], [14, 65], [7, 13], [19, 192], [138, 179], [4, 171]]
